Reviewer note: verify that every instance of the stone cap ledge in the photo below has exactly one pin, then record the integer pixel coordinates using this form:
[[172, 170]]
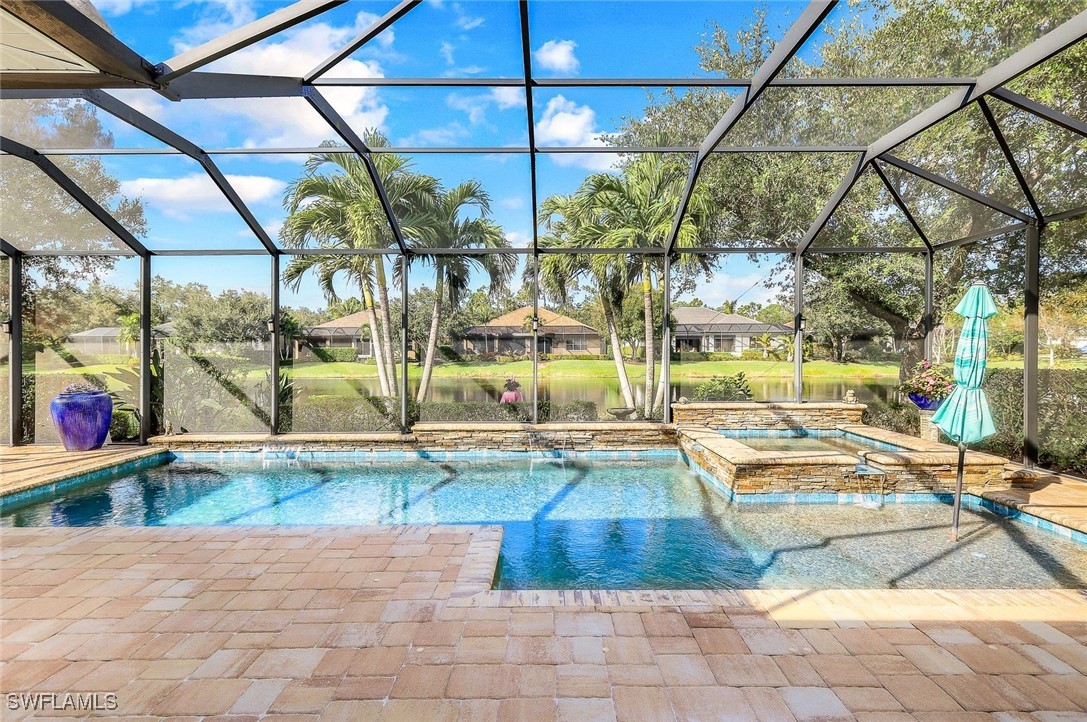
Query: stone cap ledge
[[264, 438], [736, 452], [930, 458], [431, 427], [786, 405]]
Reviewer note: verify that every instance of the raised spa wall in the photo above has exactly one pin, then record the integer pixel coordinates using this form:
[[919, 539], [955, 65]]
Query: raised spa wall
[[922, 465]]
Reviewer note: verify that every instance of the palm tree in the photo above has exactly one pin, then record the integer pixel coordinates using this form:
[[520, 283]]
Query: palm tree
[[573, 222], [635, 209], [341, 210], [129, 332], [439, 217]]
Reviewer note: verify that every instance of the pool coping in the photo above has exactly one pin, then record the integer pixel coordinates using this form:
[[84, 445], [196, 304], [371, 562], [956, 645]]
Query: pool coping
[[988, 499]]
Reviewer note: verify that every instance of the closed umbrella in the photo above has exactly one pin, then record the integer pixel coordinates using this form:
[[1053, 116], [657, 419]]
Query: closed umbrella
[[965, 416]]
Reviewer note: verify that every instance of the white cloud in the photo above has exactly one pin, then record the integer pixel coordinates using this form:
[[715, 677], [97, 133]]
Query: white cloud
[[565, 123], [517, 239], [557, 56], [477, 105], [180, 198], [513, 202], [728, 287], [214, 19], [439, 136], [114, 8], [446, 52], [465, 21]]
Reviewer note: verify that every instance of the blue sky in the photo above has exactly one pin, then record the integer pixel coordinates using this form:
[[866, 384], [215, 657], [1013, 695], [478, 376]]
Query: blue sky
[[459, 39]]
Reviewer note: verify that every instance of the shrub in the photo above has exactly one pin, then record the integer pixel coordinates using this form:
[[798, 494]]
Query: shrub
[[326, 414], [723, 388], [571, 411], [575, 357], [477, 411], [124, 426], [893, 416], [751, 354], [697, 356], [112, 359], [335, 354]]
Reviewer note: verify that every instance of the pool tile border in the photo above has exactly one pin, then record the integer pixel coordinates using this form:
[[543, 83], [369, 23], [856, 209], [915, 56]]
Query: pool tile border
[[31, 494]]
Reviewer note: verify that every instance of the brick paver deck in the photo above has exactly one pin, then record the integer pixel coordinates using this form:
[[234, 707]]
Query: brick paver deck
[[394, 623], [25, 467], [1060, 498]]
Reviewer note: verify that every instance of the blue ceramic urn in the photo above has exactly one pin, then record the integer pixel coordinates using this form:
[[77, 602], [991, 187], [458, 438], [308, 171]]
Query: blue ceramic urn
[[924, 402], [82, 418]]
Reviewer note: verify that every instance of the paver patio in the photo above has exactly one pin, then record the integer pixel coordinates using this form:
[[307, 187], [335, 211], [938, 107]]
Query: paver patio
[[394, 623]]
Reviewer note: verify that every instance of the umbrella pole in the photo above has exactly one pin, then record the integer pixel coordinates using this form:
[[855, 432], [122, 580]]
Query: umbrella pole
[[958, 494]]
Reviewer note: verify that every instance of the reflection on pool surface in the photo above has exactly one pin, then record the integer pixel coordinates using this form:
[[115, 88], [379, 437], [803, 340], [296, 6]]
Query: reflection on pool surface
[[590, 523], [809, 440]]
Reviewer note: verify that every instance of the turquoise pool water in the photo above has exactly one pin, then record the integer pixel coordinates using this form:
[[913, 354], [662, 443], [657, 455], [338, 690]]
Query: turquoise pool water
[[587, 523], [809, 440]]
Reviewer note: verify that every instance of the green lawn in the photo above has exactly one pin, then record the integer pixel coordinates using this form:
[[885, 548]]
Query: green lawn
[[574, 369], [602, 369]]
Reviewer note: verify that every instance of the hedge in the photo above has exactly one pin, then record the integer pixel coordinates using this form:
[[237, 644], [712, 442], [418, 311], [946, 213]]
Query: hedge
[[335, 354], [327, 414], [1062, 417]]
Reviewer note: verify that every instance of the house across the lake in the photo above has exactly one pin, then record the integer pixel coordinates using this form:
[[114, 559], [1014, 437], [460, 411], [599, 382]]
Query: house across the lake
[[511, 333], [704, 329], [107, 340], [349, 331]]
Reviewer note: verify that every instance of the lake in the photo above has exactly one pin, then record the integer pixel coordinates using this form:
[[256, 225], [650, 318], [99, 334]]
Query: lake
[[603, 392]]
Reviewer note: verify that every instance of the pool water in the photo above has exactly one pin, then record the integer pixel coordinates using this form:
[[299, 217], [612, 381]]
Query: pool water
[[824, 441], [588, 523]]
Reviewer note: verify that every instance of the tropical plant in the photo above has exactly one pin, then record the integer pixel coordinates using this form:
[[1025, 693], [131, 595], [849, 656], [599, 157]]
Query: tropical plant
[[444, 224], [635, 208], [335, 206], [129, 332], [723, 388]]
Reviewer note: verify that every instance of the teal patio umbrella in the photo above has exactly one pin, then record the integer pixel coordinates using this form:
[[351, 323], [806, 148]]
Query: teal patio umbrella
[[965, 416]]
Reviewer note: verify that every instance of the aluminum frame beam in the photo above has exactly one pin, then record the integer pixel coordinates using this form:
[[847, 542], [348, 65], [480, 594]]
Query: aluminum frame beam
[[146, 350], [1044, 112], [15, 347], [809, 20], [400, 10], [639, 82], [1045, 47], [244, 36], [1024, 185], [526, 57], [1031, 293], [957, 188], [902, 206], [467, 150], [133, 117], [75, 190]]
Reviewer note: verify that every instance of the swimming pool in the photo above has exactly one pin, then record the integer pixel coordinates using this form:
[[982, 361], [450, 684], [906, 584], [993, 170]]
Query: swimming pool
[[585, 522], [809, 440]]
